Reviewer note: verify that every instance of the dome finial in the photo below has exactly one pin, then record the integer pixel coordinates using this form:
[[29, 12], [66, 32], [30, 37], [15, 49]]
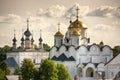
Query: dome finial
[[58, 26], [27, 23], [40, 33], [77, 10], [14, 33]]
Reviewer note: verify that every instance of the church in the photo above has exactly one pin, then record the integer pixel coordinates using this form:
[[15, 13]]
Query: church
[[26, 50], [82, 59]]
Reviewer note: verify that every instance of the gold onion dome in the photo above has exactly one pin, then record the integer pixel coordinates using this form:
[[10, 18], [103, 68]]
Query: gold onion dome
[[76, 33], [77, 24], [58, 33]]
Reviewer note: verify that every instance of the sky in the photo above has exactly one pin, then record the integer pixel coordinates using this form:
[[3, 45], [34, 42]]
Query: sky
[[102, 18]]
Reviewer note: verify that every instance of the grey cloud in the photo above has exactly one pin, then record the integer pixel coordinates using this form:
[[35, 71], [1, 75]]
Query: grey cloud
[[105, 11]]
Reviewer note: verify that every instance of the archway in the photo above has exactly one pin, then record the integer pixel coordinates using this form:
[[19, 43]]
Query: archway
[[89, 72]]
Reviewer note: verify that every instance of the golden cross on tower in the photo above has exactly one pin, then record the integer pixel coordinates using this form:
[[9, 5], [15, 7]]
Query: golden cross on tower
[[77, 10], [58, 26]]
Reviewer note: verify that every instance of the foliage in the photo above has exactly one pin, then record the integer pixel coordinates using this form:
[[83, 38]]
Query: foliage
[[2, 75], [27, 69], [62, 72], [36, 47], [116, 50], [4, 67], [48, 70], [36, 75], [3, 52], [17, 70], [46, 47]]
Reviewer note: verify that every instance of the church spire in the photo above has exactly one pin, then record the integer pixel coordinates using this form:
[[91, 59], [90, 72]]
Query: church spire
[[14, 39], [22, 40], [40, 40], [77, 11], [32, 41], [14, 42], [27, 23], [58, 26]]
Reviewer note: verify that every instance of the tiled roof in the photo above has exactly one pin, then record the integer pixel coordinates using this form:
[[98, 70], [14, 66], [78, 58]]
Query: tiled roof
[[11, 62], [62, 57]]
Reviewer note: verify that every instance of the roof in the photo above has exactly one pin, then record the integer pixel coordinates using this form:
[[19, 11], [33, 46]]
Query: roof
[[27, 32], [63, 57], [11, 62], [58, 34], [114, 60], [77, 24]]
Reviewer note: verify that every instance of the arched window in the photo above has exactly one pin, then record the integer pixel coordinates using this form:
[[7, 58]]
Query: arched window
[[89, 72]]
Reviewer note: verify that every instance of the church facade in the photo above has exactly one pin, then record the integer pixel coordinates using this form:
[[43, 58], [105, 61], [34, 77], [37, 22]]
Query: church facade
[[26, 50], [80, 58]]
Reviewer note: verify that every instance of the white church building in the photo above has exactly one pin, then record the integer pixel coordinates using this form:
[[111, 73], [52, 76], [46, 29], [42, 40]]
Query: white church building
[[81, 59], [26, 50]]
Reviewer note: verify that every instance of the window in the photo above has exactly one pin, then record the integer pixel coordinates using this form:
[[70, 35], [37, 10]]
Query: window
[[89, 72]]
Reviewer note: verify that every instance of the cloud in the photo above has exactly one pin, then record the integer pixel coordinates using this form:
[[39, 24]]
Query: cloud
[[10, 18], [105, 11], [83, 10], [53, 11], [103, 27]]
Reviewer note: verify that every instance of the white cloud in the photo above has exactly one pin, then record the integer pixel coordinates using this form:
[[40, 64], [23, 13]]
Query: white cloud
[[10, 18], [53, 11], [103, 27], [83, 10]]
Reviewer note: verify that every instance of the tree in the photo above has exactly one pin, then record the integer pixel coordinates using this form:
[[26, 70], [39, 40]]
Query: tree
[[4, 67], [36, 47], [17, 70], [116, 50], [2, 75], [46, 47], [36, 75], [27, 69], [48, 70], [62, 72], [3, 52]]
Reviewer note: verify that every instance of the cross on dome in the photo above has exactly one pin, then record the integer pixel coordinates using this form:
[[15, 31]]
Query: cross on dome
[[77, 10], [58, 26]]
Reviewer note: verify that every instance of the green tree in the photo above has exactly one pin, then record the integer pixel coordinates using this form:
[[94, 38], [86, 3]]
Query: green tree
[[2, 75], [46, 47], [36, 75], [3, 52], [17, 70], [48, 70], [36, 47], [27, 69], [62, 72], [116, 50], [4, 67]]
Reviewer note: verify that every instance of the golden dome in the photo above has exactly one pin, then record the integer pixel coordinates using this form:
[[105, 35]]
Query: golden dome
[[101, 43], [77, 24], [58, 34], [75, 32]]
